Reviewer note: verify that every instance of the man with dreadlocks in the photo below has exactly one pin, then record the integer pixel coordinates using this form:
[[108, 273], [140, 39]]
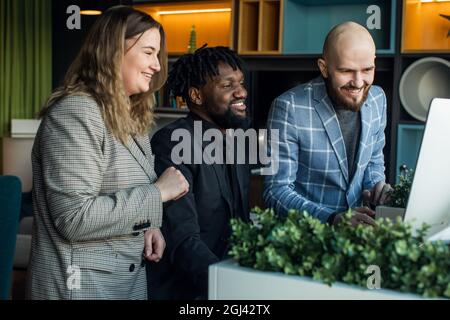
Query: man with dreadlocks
[[196, 226]]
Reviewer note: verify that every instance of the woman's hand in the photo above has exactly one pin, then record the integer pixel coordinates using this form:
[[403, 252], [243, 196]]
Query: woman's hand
[[172, 184], [154, 245]]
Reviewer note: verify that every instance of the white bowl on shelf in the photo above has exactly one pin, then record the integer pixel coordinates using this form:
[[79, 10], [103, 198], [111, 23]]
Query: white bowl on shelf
[[422, 81]]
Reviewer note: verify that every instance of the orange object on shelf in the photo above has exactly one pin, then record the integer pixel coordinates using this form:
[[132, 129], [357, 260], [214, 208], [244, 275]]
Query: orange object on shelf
[[424, 27], [212, 20]]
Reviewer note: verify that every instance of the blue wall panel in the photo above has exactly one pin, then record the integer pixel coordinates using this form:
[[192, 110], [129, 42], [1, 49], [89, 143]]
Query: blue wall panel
[[409, 139], [306, 23]]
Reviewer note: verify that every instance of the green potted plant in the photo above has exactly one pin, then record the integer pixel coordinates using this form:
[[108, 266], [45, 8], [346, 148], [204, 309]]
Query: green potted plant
[[398, 197], [298, 257]]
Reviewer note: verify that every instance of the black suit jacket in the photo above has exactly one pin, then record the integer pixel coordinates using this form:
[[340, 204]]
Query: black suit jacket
[[196, 226]]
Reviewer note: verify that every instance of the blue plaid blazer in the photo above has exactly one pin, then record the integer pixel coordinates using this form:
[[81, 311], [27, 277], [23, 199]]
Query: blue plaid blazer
[[313, 170]]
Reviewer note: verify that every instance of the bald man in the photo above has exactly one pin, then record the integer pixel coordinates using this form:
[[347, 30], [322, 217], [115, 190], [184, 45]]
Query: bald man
[[331, 135]]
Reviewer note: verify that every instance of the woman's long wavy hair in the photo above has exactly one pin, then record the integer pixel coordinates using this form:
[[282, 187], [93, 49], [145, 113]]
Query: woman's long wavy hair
[[96, 72]]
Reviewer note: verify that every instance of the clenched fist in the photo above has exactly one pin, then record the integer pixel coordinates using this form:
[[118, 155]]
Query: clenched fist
[[172, 184]]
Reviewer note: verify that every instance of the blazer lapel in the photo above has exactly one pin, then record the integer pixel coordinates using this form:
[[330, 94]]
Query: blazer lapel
[[144, 143], [219, 172], [221, 176], [242, 170], [331, 124], [138, 153]]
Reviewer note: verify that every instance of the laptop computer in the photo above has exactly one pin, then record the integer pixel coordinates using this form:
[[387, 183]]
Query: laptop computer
[[429, 199]]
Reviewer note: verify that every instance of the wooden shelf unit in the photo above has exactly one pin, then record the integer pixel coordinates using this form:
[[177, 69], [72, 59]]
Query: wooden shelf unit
[[213, 28], [300, 26], [260, 26], [424, 30], [273, 42]]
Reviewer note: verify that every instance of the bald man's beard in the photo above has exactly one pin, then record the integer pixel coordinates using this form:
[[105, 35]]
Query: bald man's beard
[[341, 102]]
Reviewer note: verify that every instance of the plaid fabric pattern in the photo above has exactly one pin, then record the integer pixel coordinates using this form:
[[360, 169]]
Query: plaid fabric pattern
[[313, 168], [90, 192]]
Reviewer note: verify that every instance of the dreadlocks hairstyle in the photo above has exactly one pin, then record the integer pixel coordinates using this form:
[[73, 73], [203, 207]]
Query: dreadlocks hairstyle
[[193, 70]]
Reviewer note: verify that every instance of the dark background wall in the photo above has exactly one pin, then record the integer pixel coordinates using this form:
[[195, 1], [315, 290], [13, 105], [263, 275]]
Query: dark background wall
[[67, 43]]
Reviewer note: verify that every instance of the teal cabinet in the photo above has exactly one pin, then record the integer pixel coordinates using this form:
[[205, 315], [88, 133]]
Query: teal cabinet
[[409, 139], [307, 22]]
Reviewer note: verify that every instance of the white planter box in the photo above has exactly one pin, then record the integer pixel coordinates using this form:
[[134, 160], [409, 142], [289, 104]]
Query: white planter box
[[229, 281], [390, 212]]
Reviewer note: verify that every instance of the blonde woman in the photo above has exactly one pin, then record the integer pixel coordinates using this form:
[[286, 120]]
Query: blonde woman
[[97, 199]]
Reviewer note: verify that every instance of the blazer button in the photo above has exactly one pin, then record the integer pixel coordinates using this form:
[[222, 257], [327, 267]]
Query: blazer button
[[132, 267], [146, 224]]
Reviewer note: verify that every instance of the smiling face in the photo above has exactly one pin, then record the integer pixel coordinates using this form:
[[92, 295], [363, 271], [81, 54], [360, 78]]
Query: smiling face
[[140, 61], [223, 98], [349, 67]]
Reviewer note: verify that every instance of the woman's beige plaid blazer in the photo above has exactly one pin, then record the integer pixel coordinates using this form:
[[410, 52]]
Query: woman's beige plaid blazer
[[93, 198]]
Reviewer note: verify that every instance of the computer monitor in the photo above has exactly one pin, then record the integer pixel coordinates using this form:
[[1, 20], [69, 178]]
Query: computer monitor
[[429, 200]]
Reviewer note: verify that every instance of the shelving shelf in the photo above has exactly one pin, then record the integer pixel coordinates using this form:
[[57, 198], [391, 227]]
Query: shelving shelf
[[307, 22], [301, 62], [280, 41], [300, 26], [424, 29], [409, 140], [171, 110], [260, 26], [212, 20], [166, 112]]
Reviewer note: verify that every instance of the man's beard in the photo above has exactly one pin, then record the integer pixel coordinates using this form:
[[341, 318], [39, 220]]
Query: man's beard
[[229, 120], [340, 102]]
